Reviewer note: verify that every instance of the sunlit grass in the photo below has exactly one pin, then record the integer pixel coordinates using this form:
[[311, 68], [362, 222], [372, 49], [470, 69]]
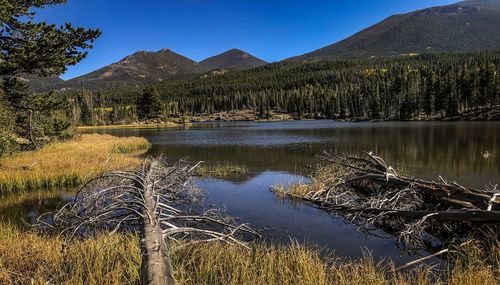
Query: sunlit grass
[[30, 258], [222, 170], [69, 163], [477, 266]]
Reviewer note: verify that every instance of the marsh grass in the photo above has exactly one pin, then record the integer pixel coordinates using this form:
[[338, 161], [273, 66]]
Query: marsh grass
[[222, 170], [30, 258], [69, 163], [297, 190], [476, 266]]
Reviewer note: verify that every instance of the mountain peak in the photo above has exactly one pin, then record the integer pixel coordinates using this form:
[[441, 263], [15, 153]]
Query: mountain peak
[[235, 50], [141, 66], [231, 59]]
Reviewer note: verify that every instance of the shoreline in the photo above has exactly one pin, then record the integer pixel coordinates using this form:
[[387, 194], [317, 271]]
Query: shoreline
[[489, 115], [178, 125]]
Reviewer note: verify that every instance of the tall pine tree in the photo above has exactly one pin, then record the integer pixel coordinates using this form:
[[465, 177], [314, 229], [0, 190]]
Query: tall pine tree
[[150, 105], [40, 49]]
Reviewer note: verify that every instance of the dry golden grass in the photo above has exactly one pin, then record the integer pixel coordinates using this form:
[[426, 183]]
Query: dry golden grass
[[69, 163], [29, 258], [218, 263], [477, 267]]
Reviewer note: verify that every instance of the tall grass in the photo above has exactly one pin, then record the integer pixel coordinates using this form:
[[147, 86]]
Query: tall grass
[[297, 189], [69, 163], [30, 258]]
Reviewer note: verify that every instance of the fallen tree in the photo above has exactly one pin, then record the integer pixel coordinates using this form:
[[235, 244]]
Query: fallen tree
[[157, 202], [370, 193]]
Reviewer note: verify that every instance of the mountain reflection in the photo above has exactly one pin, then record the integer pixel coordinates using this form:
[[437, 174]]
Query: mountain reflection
[[425, 149]]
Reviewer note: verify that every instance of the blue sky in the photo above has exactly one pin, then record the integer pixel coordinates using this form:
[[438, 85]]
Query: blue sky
[[269, 29]]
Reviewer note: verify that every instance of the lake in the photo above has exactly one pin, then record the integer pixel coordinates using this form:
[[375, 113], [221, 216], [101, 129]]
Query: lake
[[280, 152]]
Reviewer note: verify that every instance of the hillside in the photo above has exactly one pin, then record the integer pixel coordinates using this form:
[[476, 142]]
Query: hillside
[[149, 67], [464, 26], [231, 59], [140, 67]]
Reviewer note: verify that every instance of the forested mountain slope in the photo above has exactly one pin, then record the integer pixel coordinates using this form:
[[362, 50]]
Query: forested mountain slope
[[464, 26], [401, 88]]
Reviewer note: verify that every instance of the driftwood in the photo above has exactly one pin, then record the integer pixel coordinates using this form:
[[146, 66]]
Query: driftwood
[[369, 192], [154, 201]]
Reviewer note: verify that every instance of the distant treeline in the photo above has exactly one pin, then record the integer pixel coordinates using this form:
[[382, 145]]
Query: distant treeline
[[399, 88]]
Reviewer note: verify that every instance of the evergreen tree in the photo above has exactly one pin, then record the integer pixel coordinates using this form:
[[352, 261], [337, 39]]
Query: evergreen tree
[[40, 49], [150, 105], [85, 110]]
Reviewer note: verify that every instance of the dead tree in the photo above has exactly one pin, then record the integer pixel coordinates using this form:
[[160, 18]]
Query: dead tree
[[372, 194], [155, 201]]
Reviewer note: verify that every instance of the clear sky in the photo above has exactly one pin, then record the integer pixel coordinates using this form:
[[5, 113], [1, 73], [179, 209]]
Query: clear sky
[[269, 29]]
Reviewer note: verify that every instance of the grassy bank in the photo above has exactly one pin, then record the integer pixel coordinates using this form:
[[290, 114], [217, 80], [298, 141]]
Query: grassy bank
[[30, 258], [69, 163]]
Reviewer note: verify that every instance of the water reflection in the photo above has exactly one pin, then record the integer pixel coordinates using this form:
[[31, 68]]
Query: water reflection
[[424, 149], [26, 208]]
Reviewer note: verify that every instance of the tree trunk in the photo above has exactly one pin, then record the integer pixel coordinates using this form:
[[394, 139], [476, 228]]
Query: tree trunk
[[156, 266]]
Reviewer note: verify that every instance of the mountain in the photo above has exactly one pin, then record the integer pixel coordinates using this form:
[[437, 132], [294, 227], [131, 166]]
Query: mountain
[[231, 59], [148, 67], [140, 67], [464, 26]]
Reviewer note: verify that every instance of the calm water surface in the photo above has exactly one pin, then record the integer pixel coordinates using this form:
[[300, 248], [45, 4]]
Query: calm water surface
[[425, 149], [279, 152]]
